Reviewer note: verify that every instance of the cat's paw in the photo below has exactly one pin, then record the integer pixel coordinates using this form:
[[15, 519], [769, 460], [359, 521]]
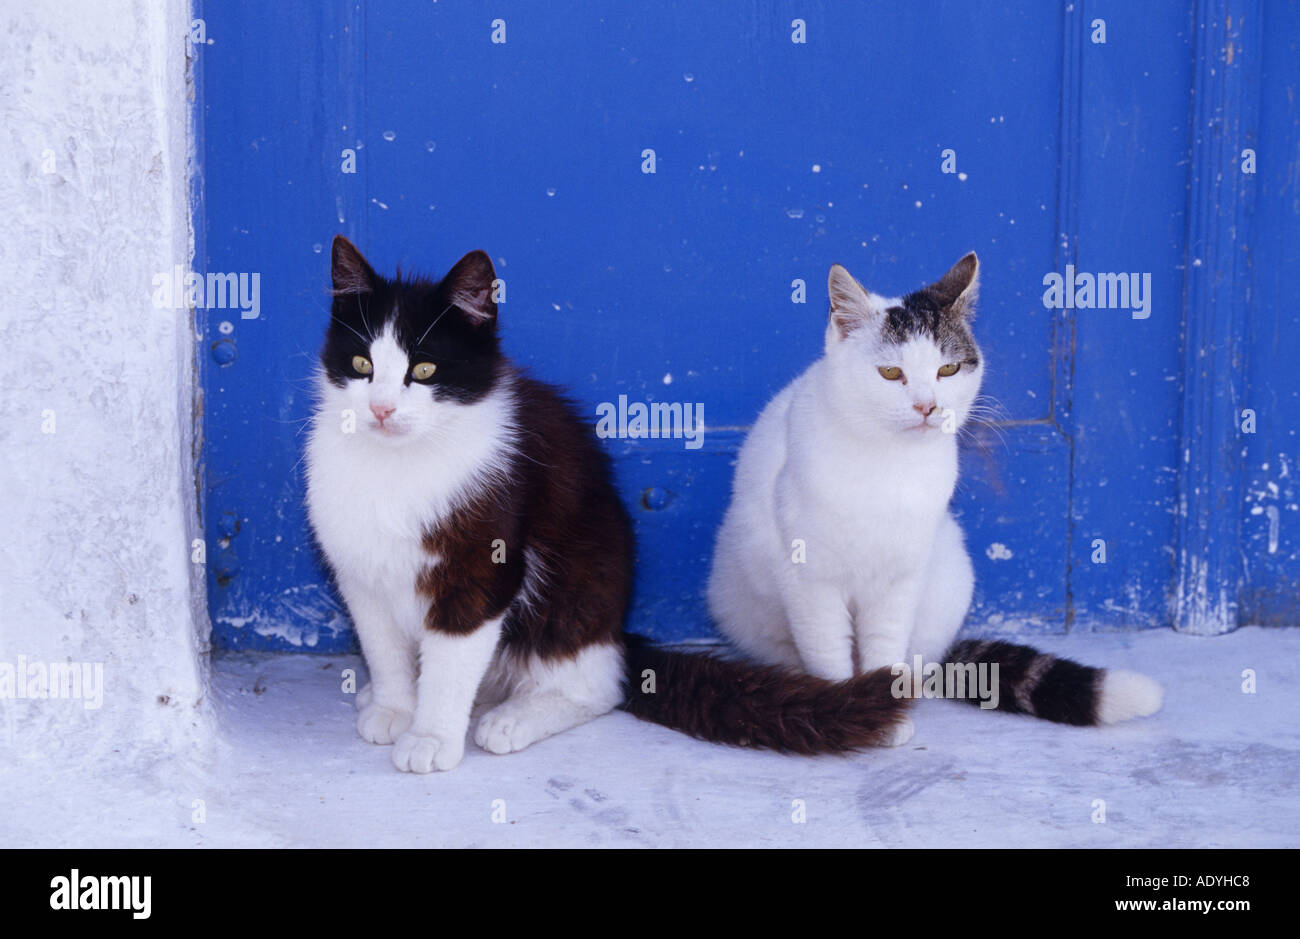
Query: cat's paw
[[365, 696], [378, 724], [900, 733], [420, 753], [505, 729]]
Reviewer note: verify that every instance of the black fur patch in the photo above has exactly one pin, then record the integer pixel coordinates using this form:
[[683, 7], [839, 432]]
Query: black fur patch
[[1035, 683], [922, 315], [941, 313], [429, 325]]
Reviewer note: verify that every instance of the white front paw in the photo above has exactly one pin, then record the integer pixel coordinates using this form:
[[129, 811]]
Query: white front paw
[[378, 724], [901, 733], [420, 753], [365, 696], [503, 731]]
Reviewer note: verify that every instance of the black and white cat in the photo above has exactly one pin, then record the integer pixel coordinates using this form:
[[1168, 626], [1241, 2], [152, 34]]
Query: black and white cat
[[470, 519], [838, 554]]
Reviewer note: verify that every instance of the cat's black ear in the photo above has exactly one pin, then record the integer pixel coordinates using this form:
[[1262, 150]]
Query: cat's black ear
[[851, 305], [957, 291], [469, 285], [349, 270]]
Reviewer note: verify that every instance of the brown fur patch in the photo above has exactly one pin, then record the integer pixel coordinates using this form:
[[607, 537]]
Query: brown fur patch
[[567, 540], [477, 576], [762, 706]]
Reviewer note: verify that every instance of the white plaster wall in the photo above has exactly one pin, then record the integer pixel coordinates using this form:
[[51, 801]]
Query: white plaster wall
[[97, 518]]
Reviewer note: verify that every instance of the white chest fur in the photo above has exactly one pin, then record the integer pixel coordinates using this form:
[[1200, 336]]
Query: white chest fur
[[370, 501], [861, 497]]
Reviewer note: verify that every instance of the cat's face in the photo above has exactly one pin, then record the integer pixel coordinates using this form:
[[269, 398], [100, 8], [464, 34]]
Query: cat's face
[[909, 364], [405, 356]]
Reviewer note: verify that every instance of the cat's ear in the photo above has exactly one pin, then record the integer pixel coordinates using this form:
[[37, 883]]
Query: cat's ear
[[469, 285], [348, 269], [851, 305], [957, 291]]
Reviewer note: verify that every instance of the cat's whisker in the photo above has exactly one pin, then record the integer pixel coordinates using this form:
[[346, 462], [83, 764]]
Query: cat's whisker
[[978, 431], [292, 420], [294, 471], [360, 309], [351, 330], [985, 418], [988, 405], [433, 324]]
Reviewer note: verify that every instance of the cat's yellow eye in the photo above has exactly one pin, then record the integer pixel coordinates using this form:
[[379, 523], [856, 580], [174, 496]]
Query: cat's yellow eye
[[361, 365], [423, 371], [946, 370], [890, 372]]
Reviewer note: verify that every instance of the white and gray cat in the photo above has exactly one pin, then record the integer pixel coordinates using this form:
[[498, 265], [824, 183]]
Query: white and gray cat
[[838, 554]]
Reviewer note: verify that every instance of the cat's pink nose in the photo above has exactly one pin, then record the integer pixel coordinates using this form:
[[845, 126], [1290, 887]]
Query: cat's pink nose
[[382, 412], [925, 409]]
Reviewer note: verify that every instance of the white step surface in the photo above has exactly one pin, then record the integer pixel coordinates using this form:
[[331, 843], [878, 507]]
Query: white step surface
[[1215, 768]]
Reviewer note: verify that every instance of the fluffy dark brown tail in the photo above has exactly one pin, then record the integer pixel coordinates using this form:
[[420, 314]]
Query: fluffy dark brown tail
[[1041, 685], [761, 705]]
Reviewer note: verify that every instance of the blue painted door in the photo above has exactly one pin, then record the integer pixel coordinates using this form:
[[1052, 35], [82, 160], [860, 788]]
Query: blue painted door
[[1115, 487]]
